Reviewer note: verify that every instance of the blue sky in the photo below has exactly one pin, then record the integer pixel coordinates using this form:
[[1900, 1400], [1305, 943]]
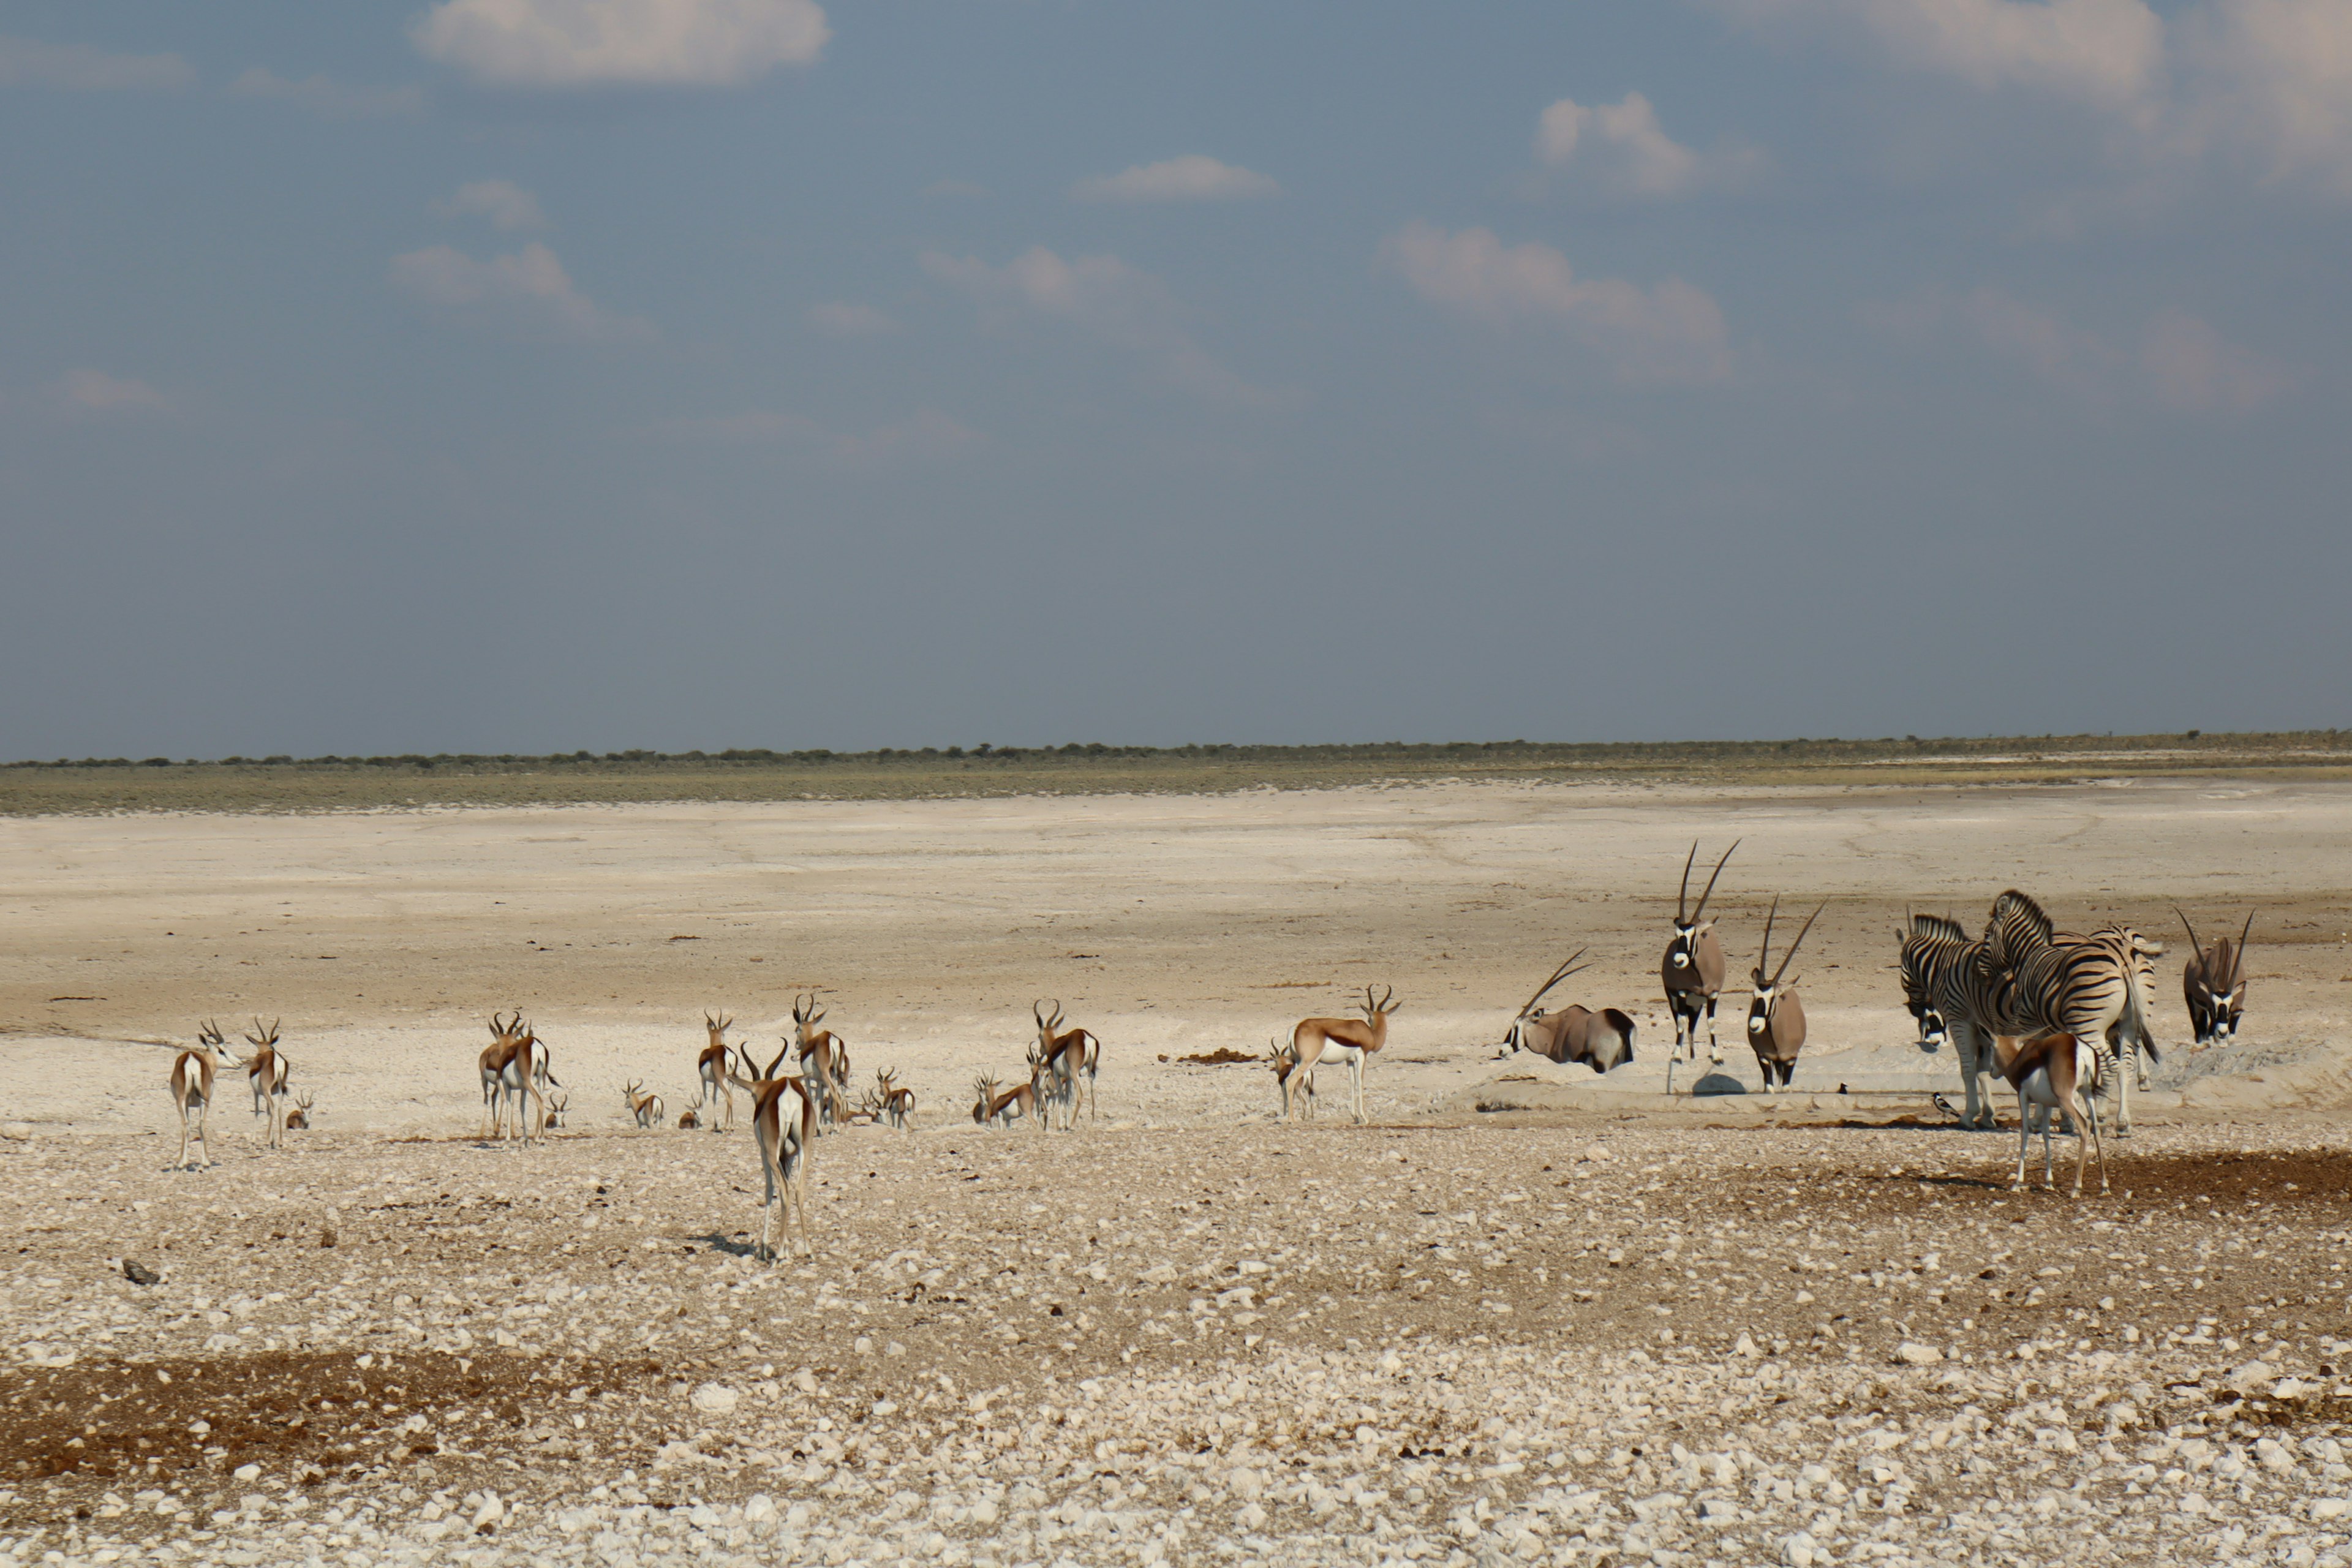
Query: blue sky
[[530, 374]]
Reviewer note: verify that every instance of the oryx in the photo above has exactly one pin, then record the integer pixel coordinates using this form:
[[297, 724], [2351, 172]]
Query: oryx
[[1776, 1016], [1601, 1040], [1693, 969]]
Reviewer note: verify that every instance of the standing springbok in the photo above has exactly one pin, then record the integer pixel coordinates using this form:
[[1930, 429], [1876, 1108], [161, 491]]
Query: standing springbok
[[822, 1054], [897, 1104], [1292, 1081], [265, 1074], [784, 1129], [2050, 1072], [713, 1066], [505, 1036], [191, 1087], [1602, 1040], [2214, 983], [521, 1080], [1692, 968], [1067, 1057], [1775, 1015], [644, 1108], [1345, 1042]]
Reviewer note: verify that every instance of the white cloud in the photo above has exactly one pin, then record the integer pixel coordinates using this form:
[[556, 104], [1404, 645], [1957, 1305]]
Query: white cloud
[[2192, 367], [1634, 153], [1104, 299], [844, 320], [505, 204], [646, 43], [95, 391], [1671, 331], [24, 62], [1192, 178], [2276, 76], [527, 293], [925, 436], [328, 98], [2109, 52]]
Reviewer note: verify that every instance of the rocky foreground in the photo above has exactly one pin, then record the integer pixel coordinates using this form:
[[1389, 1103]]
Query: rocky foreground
[[1598, 1342]]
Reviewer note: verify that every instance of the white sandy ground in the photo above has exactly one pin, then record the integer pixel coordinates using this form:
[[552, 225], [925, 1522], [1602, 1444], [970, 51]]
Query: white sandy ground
[[1608, 1327]]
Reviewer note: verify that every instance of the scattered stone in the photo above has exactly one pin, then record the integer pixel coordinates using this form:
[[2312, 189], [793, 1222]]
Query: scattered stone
[[714, 1399]]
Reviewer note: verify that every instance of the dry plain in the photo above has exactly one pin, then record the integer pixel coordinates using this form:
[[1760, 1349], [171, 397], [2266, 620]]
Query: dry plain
[[1525, 1315]]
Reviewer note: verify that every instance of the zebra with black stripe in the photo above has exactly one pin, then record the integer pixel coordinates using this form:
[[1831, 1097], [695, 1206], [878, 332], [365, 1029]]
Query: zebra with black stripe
[[2030, 979], [1937, 955]]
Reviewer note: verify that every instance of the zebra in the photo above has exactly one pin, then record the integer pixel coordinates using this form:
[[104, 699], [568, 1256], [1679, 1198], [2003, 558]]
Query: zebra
[[1936, 956], [2030, 979]]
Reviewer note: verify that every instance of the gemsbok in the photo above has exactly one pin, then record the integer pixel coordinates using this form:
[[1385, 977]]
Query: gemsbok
[[713, 1066], [1602, 1040], [265, 1074], [1069, 1056], [784, 1122], [1345, 1042], [191, 1087], [1775, 1015], [1693, 969], [824, 1057], [2213, 981]]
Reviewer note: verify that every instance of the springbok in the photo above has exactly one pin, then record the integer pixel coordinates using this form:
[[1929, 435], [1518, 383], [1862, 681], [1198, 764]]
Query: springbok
[[1345, 1042], [1292, 1081], [713, 1066], [644, 1107], [1693, 969], [265, 1075], [1775, 1015], [1602, 1041], [1006, 1107], [299, 1119], [897, 1104], [191, 1087], [1067, 1056], [522, 1078], [2049, 1073], [823, 1053], [2214, 983], [505, 1036], [783, 1131], [557, 1104], [688, 1120]]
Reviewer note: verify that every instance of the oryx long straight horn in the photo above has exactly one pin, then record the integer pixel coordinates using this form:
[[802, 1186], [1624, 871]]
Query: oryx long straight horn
[[1601, 1040], [2213, 983], [1691, 969], [1776, 1016]]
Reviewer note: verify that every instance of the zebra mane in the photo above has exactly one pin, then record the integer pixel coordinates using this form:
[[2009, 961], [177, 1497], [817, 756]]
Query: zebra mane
[[1939, 926], [2017, 927]]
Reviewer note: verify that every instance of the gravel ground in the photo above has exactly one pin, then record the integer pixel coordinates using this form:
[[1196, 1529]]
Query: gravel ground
[[1602, 1340]]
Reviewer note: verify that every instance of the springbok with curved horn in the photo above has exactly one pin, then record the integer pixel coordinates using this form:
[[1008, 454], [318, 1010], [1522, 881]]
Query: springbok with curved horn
[[1290, 1081], [299, 1119], [1003, 1107], [1775, 1015], [896, 1104], [1600, 1040], [713, 1066], [2214, 983], [1069, 1056], [646, 1109], [1692, 968], [783, 1127], [265, 1075], [521, 1080], [1345, 1042], [505, 1036], [191, 1088], [824, 1057]]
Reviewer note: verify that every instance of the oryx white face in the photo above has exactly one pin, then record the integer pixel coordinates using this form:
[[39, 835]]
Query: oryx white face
[[1678, 952], [1760, 1008]]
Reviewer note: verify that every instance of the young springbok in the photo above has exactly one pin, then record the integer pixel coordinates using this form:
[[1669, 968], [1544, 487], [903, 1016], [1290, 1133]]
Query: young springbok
[[713, 1066], [1290, 1081], [784, 1122], [1348, 1042], [265, 1075], [823, 1053], [2052, 1072], [191, 1087], [1069, 1056], [299, 1119], [646, 1109]]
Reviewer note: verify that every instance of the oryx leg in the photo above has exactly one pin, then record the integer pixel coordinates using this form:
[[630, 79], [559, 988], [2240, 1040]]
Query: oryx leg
[[1714, 1052]]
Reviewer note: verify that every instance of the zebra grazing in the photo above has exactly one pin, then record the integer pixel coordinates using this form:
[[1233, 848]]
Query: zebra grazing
[[2032, 980], [1937, 955]]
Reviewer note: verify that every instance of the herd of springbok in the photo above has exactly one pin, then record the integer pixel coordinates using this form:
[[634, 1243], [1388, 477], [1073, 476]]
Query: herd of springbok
[[2064, 1019]]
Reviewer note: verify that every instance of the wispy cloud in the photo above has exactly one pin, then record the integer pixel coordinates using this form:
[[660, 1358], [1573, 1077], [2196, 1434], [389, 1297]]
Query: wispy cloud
[[89, 390], [505, 204], [527, 294], [1192, 178], [1105, 300], [642, 43], [842, 319], [1624, 144], [1670, 331], [925, 436], [76, 67], [2107, 51], [328, 98]]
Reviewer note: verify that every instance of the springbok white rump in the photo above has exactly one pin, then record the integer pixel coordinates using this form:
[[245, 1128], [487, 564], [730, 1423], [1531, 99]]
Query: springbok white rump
[[1347, 1042]]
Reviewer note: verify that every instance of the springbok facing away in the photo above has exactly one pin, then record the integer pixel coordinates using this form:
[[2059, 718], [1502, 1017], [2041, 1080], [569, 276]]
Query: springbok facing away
[[2213, 982], [1292, 1081], [1775, 1015], [717, 1060], [506, 1035], [1602, 1040], [265, 1075], [823, 1053], [2049, 1073], [299, 1119], [898, 1105], [1067, 1057], [1692, 968], [1345, 1042], [784, 1129], [688, 1120], [522, 1079], [191, 1087], [646, 1106]]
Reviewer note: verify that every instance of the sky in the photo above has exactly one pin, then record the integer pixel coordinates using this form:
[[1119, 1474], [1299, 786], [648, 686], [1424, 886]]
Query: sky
[[525, 376]]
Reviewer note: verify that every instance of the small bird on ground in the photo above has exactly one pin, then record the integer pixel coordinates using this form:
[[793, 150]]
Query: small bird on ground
[[139, 1273], [1840, 1088], [1944, 1106]]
